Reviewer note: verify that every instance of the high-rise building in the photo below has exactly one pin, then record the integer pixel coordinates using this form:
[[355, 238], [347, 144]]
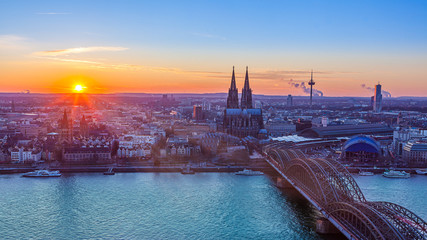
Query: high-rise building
[[378, 98], [289, 101], [197, 113], [13, 106], [246, 120]]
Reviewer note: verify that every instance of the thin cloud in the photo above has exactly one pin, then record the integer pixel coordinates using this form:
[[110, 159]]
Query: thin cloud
[[61, 52], [53, 13], [70, 60], [94, 64]]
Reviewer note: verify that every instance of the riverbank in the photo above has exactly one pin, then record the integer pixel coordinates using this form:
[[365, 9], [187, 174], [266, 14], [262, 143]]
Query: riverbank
[[176, 168], [379, 170], [123, 169]]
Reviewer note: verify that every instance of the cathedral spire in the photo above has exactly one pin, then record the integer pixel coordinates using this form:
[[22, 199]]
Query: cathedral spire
[[246, 101], [233, 81], [247, 79], [233, 98]]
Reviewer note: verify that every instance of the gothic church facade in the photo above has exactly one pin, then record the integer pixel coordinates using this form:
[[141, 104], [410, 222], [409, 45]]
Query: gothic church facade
[[242, 120]]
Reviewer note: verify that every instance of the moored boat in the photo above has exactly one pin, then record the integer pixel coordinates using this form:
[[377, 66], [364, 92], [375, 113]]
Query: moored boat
[[421, 171], [363, 173], [249, 172], [396, 174], [42, 173]]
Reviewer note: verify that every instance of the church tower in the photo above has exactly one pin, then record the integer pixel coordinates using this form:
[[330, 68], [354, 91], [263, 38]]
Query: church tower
[[66, 128], [246, 101], [233, 98]]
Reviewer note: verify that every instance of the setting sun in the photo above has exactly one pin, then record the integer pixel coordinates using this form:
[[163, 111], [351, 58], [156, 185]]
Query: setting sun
[[79, 88]]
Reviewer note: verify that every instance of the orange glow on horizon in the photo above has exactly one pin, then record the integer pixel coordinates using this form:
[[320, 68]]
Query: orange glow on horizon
[[47, 77]]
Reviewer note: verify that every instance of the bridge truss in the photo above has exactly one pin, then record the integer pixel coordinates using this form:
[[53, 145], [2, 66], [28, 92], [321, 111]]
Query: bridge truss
[[334, 192]]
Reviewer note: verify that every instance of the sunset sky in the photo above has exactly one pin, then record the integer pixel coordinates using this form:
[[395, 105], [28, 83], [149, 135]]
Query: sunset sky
[[191, 46]]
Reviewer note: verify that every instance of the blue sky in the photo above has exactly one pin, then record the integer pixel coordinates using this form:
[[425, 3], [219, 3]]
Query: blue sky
[[329, 36]]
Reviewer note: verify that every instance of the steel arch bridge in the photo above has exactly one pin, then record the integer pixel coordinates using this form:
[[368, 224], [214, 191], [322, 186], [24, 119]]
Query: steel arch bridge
[[334, 192]]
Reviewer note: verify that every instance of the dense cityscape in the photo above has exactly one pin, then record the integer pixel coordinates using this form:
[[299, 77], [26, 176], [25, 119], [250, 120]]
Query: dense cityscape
[[175, 130], [213, 120], [191, 133]]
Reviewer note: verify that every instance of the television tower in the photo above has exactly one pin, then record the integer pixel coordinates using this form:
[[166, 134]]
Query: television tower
[[311, 83]]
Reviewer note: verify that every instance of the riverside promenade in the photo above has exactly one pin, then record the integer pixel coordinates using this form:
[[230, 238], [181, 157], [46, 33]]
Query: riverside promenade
[[130, 168]]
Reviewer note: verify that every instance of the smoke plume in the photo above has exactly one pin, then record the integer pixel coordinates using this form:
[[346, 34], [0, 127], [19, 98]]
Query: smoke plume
[[384, 93], [306, 89]]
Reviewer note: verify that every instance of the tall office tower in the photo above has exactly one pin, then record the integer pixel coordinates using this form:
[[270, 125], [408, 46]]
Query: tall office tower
[[164, 101], [378, 98], [289, 101], [13, 106], [233, 98], [311, 83], [197, 113], [246, 101]]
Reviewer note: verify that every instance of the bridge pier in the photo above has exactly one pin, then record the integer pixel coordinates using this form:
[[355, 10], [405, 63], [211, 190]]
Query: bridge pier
[[323, 226], [282, 183]]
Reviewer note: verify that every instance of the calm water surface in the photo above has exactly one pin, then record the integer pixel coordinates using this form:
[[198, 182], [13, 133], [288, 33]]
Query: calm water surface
[[151, 206], [410, 193], [172, 206]]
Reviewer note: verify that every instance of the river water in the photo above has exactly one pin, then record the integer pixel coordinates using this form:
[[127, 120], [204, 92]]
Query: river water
[[172, 206], [410, 193]]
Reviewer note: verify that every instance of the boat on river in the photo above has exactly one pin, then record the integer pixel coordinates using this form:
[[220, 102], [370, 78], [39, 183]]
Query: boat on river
[[421, 171], [366, 173], [396, 174], [249, 172], [42, 173]]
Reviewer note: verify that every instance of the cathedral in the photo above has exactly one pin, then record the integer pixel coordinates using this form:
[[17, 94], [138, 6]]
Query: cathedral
[[244, 120]]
